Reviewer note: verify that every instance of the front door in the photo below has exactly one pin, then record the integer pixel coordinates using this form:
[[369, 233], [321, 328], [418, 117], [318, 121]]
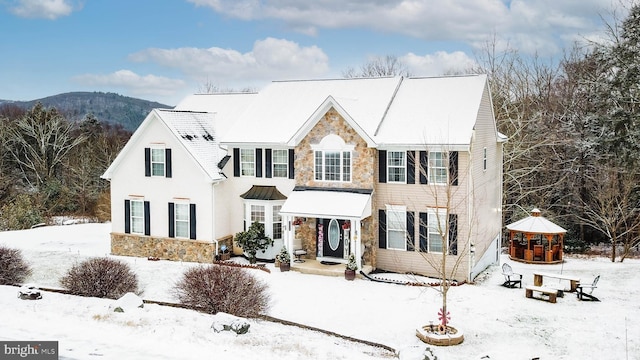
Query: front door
[[330, 235]]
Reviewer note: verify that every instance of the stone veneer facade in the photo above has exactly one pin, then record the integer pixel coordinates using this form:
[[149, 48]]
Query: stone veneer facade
[[363, 160], [162, 248]]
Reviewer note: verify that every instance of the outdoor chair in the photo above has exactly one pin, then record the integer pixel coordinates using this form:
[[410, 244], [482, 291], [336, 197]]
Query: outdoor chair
[[511, 279], [298, 254], [582, 291], [538, 253]]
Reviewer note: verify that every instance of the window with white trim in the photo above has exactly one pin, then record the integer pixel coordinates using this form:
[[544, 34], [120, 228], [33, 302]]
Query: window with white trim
[[396, 227], [277, 222], [266, 212], [280, 160], [157, 161], [396, 166], [247, 162], [436, 230], [332, 159], [182, 220], [438, 167], [137, 216]]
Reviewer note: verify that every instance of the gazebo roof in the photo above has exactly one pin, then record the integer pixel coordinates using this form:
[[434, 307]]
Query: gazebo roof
[[536, 224]]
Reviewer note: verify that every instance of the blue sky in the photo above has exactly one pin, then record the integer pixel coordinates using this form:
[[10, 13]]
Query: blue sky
[[163, 50]]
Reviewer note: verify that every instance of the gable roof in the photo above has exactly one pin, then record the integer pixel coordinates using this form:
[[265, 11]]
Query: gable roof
[[283, 107], [193, 130], [388, 111], [434, 110]]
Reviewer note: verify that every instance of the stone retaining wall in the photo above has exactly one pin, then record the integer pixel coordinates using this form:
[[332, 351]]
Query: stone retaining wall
[[162, 248]]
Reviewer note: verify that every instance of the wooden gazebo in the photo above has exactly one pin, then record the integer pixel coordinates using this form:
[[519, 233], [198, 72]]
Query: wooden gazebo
[[535, 240]]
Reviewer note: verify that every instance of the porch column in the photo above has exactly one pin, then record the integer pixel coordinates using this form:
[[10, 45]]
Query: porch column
[[356, 243], [289, 234]]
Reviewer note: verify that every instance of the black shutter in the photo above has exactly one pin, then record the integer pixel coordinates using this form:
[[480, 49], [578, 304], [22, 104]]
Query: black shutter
[[423, 231], [411, 167], [258, 162], [172, 220], [127, 217], [453, 168], [192, 221], [268, 163], [411, 231], [453, 234], [424, 167], [147, 219], [292, 172], [167, 162], [382, 166], [382, 229], [236, 162], [147, 161]]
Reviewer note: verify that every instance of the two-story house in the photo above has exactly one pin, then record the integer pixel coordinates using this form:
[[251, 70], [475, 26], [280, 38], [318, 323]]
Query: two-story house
[[398, 171]]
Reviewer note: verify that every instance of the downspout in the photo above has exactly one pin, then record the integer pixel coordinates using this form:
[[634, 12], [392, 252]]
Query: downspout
[[213, 216], [469, 216]]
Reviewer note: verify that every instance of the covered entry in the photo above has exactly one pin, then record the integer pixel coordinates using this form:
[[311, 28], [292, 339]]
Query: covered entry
[[332, 220]]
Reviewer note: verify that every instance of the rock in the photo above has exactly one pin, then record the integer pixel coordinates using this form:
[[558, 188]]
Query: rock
[[227, 322], [29, 292], [127, 302]]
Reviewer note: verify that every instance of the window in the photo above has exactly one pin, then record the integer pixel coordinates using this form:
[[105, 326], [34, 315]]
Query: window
[[280, 163], [266, 212], [277, 222], [137, 216], [333, 166], [436, 228], [157, 161], [182, 220], [247, 162], [438, 168], [396, 166], [257, 214], [396, 227], [332, 159], [484, 159]]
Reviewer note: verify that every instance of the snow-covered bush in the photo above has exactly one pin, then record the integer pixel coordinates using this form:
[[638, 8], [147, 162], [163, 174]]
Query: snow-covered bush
[[13, 268], [219, 288], [100, 277]]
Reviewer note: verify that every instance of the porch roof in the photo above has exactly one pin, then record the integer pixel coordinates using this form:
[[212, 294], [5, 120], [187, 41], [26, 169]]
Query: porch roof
[[328, 204]]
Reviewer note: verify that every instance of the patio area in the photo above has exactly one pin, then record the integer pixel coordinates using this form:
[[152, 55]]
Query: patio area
[[316, 267]]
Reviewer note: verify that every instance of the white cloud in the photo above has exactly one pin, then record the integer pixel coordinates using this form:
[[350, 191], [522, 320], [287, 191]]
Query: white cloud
[[133, 83], [45, 9], [269, 59], [439, 63], [541, 26]]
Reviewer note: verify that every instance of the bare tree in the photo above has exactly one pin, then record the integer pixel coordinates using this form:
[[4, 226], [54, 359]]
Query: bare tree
[[611, 209], [379, 67], [39, 143]]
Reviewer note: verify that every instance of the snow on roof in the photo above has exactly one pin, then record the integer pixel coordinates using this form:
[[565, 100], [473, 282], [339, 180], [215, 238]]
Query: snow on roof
[[536, 224], [226, 106], [283, 107], [390, 110], [435, 110], [195, 130], [327, 203]]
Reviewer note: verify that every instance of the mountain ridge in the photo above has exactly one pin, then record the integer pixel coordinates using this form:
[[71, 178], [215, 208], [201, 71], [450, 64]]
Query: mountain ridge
[[107, 107]]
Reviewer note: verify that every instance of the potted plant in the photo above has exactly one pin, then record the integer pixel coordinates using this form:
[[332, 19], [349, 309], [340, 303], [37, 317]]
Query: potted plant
[[253, 240], [284, 259], [224, 253], [352, 266]]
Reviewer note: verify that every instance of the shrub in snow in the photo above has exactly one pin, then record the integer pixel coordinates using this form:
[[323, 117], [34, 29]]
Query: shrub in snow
[[127, 303], [226, 289], [29, 292], [13, 268], [100, 277], [226, 322]]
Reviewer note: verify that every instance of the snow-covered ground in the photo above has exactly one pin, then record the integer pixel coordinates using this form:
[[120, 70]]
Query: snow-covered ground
[[498, 323]]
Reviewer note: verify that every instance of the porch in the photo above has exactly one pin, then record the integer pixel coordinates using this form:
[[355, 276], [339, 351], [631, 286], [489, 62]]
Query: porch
[[315, 267]]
